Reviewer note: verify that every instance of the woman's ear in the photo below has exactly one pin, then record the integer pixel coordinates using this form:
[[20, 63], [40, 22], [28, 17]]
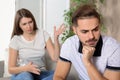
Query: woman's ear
[[74, 29]]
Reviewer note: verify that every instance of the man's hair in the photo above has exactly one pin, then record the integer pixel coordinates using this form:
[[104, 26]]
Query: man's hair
[[85, 11]]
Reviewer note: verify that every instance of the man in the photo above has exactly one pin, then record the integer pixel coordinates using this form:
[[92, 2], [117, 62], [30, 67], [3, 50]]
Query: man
[[95, 57]]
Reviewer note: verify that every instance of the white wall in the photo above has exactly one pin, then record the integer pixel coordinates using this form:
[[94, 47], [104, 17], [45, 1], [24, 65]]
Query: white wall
[[34, 6], [54, 10], [7, 9]]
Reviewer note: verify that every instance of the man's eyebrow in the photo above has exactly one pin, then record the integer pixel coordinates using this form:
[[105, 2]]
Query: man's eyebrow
[[91, 29], [95, 27]]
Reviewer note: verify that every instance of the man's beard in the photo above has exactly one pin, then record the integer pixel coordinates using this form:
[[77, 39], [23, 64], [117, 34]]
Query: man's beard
[[91, 42]]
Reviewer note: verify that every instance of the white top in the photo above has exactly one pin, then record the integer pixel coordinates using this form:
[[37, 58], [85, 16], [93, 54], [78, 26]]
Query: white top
[[109, 58], [31, 50]]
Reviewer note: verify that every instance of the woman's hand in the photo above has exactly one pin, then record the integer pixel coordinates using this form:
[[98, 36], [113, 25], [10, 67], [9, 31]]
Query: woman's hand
[[32, 68], [59, 31]]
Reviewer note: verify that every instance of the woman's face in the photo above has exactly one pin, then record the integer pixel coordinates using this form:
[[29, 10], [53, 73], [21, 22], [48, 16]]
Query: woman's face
[[27, 25]]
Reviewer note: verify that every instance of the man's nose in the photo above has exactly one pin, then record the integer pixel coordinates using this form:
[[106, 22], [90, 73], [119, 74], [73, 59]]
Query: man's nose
[[91, 35]]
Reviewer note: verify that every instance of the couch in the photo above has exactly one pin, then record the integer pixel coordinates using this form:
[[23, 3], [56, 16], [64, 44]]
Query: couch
[[50, 66], [2, 71]]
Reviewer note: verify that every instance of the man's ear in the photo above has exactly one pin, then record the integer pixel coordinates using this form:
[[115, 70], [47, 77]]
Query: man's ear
[[74, 29]]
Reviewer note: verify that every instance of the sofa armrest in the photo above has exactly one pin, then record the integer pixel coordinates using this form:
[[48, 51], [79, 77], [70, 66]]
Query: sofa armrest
[[1, 68]]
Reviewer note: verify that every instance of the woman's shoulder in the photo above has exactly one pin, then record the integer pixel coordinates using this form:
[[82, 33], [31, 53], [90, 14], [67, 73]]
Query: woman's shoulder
[[15, 41], [15, 37], [42, 32]]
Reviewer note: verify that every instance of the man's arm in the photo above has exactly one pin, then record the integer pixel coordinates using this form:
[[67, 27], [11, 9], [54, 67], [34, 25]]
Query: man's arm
[[93, 73], [112, 74], [62, 70]]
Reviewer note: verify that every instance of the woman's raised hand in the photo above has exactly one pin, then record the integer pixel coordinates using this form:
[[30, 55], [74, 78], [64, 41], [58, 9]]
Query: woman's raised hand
[[59, 31]]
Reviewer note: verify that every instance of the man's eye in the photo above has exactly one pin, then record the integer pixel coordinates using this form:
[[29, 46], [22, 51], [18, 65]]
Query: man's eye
[[84, 31], [96, 29]]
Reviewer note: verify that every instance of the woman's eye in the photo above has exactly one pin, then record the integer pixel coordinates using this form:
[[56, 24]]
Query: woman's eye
[[24, 24]]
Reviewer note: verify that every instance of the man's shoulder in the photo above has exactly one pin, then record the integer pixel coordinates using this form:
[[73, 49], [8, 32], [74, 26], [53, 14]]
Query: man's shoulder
[[110, 40], [110, 44], [73, 39]]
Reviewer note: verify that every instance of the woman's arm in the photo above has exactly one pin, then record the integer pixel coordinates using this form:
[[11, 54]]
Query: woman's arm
[[54, 49]]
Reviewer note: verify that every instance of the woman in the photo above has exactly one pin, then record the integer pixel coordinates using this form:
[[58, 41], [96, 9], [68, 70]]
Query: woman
[[27, 48]]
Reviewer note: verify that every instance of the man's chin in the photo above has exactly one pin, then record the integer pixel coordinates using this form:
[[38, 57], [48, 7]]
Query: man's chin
[[91, 45]]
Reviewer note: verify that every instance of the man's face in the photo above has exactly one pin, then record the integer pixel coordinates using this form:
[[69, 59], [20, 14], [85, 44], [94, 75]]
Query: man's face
[[88, 30]]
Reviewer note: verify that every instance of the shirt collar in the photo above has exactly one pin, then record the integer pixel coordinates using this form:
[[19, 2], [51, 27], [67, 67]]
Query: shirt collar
[[98, 47]]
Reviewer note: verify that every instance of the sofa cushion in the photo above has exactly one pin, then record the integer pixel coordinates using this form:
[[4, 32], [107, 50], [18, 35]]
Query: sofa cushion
[[52, 65], [5, 78]]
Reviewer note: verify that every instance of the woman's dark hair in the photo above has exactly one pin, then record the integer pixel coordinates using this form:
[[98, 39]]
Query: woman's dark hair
[[19, 15]]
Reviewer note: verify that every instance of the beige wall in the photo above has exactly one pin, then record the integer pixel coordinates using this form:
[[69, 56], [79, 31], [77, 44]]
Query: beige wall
[[110, 10]]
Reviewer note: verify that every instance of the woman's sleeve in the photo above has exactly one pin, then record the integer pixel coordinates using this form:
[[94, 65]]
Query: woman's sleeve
[[13, 43]]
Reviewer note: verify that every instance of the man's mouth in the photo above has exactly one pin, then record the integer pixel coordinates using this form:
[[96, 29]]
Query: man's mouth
[[92, 42]]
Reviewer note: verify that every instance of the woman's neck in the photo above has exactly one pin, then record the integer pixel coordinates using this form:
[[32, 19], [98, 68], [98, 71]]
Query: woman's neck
[[29, 37]]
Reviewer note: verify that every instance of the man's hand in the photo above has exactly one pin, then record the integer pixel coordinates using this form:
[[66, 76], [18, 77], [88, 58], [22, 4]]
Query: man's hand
[[87, 52]]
